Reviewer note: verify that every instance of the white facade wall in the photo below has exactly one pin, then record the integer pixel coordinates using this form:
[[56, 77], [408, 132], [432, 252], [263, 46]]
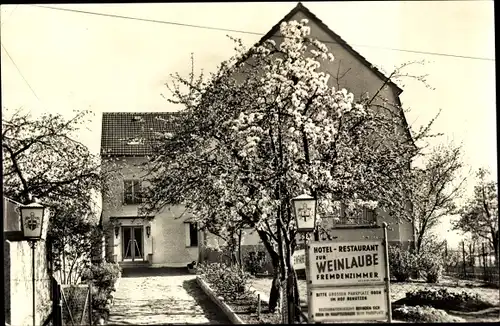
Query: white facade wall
[[167, 245]]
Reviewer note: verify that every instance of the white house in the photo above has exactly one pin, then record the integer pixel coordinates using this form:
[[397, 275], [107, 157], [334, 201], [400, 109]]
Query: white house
[[169, 238]]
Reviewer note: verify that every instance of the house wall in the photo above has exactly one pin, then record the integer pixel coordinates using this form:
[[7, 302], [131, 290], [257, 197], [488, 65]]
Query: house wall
[[398, 232], [357, 77], [18, 291], [167, 242]]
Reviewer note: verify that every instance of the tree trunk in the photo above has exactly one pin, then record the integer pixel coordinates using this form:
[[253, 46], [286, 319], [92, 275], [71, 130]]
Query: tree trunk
[[292, 291], [296, 297], [496, 243], [64, 261], [240, 261], [274, 293]]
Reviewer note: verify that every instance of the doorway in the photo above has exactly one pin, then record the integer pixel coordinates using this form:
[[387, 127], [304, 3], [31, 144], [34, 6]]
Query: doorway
[[132, 244]]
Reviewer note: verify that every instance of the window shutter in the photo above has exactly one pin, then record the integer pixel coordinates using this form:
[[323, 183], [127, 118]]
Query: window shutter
[[193, 234], [369, 215], [137, 191], [127, 191], [187, 234], [342, 214]]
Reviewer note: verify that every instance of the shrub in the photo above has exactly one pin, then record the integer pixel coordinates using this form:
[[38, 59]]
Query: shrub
[[254, 262], [430, 266], [424, 314], [403, 263], [229, 282], [103, 278], [443, 299]]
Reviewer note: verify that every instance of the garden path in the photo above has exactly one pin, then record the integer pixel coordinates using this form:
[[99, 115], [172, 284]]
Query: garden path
[[162, 296]]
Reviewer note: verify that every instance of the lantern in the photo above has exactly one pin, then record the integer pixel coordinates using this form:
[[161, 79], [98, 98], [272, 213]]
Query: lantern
[[32, 221], [304, 207]]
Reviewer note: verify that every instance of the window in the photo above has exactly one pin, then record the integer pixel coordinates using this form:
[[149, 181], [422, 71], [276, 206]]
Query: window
[[191, 234], [132, 192], [366, 216]]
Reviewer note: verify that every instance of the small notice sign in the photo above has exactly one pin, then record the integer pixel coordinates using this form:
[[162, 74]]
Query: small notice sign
[[299, 259], [348, 304], [342, 263]]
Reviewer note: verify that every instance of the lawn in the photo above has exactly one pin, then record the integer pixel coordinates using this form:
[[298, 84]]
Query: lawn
[[398, 291]]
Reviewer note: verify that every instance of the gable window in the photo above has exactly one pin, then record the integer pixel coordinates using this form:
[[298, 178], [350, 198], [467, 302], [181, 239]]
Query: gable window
[[191, 234], [132, 192]]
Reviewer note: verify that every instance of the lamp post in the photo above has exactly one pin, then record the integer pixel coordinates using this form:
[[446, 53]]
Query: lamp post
[[32, 225], [304, 207]]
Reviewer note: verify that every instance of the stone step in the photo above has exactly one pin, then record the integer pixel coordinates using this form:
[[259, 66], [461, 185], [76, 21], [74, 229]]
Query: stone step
[[126, 264]]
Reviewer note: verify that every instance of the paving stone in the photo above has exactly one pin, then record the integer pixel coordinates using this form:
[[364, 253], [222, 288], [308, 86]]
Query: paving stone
[[162, 299]]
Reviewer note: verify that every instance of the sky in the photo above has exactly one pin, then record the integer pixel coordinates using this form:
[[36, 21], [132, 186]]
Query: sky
[[57, 61]]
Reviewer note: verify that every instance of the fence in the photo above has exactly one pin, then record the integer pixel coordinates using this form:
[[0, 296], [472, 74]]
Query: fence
[[480, 273], [71, 305], [468, 265], [76, 303]]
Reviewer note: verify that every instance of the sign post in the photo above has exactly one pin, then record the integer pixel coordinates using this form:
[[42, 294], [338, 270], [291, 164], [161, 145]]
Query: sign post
[[348, 278], [387, 274]]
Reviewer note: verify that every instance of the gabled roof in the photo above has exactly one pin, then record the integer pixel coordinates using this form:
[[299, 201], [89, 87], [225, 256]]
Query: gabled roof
[[131, 133], [124, 135], [301, 8]]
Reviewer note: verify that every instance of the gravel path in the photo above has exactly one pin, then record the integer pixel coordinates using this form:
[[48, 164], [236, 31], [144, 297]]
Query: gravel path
[[158, 298]]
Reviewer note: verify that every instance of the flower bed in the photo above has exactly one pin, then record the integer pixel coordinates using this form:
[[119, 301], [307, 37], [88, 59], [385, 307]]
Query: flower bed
[[424, 314], [399, 290], [104, 278], [229, 289], [446, 300]]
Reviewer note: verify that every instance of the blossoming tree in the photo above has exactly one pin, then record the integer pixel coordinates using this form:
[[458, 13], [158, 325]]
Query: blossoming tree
[[268, 126], [43, 159]]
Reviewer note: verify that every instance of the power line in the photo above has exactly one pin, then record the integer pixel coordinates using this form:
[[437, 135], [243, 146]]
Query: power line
[[252, 33], [12, 11], [146, 20], [20, 73]]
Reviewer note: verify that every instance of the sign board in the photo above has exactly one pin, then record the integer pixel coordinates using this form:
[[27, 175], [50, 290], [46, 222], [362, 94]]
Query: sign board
[[342, 263], [348, 304], [347, 278], [299, 259]]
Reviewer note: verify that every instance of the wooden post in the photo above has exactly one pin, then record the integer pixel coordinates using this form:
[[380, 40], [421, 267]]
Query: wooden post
[[308, 282], [463, 259], [59, 319], [387, 278], [446, 255], [290, 298], [258, 305], [90, 303], [485, 278]]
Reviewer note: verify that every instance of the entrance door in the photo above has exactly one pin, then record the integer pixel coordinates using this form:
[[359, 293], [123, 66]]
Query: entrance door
[[132, 243]]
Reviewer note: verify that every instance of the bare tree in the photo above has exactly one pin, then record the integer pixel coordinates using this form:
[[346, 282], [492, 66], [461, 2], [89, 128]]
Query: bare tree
[[479, 215], [434, 190]]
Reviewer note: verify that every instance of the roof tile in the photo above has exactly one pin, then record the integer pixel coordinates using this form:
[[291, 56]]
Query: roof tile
[[130, 133]]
